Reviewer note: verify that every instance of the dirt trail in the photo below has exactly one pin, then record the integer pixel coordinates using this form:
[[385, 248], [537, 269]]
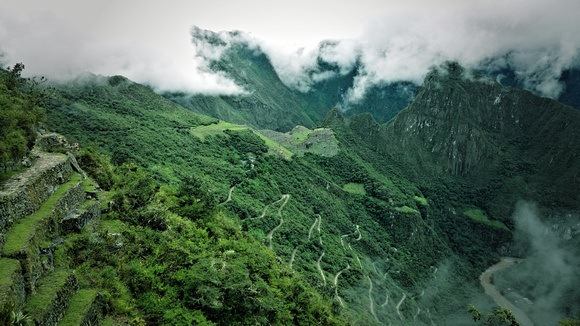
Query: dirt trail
[[312, 227], [292, 256], [359, 234], [336, 284], [340, 272], [320, 268], [490, 289], [417, 314], [285, 197], [386, 301], [371, 301], [229, 196], [399, 305]]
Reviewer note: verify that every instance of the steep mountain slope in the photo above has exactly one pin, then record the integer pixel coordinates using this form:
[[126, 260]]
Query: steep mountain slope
[[506, 143], [355, 228], [392, 227], [271, 104]]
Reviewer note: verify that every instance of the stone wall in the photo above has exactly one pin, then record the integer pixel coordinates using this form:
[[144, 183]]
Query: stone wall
[[24, 193]]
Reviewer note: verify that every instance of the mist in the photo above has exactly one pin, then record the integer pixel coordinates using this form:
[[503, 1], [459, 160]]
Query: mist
[[534, 39], [545, 285], [538, 40], [53, 46]]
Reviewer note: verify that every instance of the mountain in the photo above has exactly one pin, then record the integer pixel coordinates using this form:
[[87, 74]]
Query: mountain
[[341, 220], [507, 143], [271, 104]]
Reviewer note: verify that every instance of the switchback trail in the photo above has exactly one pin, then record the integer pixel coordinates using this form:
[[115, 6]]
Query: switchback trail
[[399, 305], [312, 226], [229, 196], [371, 301], [490, 289], [320, 268], [285, 197], [336, 284], [292, 256]]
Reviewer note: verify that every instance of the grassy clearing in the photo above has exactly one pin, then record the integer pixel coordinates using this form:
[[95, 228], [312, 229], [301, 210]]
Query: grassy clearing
[[46, 293], [407, 210], [215, 129], [218, 129], [113, 226], [421, 201], [7, 268], [478, 215], [275, 147], [355, 188], [20, 234], [80, 304]]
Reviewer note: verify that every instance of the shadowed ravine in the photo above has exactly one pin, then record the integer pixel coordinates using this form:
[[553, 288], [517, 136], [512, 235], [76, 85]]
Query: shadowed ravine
[[490, 289]]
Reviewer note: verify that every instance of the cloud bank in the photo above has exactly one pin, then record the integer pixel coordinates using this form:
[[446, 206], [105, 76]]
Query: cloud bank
[[49, 45], [537, 39], [546, 283]]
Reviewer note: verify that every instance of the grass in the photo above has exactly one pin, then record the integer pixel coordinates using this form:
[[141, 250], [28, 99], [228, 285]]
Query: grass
[[478, 215], [275, 147], [218, 129], [7, 268], [88, 185], [407, 210], [113, 226], [80, 304], [20, 234], [46, 293], [421, 201], [355, 188], [215, 129]]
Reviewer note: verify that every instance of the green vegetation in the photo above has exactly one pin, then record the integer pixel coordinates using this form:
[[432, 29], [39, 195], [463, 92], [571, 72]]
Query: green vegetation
[[19, 235], [81, 302], [478, 215], [47, 293], [355, 188], [407, 210], [499, 316], [20, 115], [215, 129], [206, 227], [422, 201]]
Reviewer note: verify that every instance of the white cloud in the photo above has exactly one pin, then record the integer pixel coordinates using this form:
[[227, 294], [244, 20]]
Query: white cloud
[[50, 45], [538, 38], [401, 40]]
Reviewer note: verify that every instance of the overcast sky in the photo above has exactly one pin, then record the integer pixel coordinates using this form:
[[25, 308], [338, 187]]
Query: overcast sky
[[150, 41]]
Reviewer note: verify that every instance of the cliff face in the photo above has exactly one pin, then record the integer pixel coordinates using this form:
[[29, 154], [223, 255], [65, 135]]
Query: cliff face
[[507, 143], [469, 126]]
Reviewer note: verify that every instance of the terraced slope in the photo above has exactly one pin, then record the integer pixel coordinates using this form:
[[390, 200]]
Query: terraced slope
[[39, 207]]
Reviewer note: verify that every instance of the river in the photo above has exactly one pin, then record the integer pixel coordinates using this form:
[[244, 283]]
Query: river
[[491, 290]]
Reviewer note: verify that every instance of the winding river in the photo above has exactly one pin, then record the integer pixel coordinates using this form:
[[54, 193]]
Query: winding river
[[492, 291]]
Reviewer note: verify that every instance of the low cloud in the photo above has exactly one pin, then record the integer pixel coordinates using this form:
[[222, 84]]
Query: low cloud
[[538, 40], [546, 283], [535, 39], [50, 46]]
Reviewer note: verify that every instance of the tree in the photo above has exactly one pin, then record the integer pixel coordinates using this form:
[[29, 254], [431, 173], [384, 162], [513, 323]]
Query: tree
[[499, 316]]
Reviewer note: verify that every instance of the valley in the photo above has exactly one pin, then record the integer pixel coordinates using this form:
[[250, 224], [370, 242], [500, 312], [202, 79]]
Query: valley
[[275, 208], [490, 289]]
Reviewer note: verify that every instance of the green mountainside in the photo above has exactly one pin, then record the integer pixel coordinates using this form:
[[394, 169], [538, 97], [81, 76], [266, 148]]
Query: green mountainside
[[269, 209], [270, 104], [507, 144]]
